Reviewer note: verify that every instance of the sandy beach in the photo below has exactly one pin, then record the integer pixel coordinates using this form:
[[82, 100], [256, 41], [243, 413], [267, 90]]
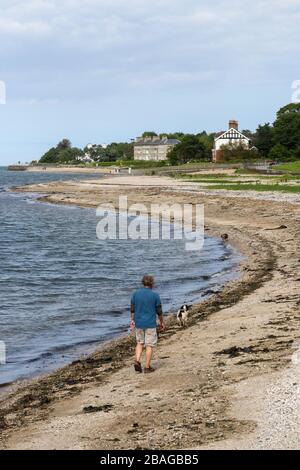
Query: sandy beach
[[230, 380]]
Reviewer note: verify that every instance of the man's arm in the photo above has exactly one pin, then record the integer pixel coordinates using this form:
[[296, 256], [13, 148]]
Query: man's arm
[[160, 316], [132, 321]]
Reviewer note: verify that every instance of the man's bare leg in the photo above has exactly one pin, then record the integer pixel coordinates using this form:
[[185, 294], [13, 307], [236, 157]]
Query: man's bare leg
[[139, 351], [149, 353]]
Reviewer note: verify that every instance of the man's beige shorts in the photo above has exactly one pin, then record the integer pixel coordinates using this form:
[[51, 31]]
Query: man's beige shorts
[[147, 337]]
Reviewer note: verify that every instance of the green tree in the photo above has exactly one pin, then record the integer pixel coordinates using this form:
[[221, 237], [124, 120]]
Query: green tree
[[296, 154], [237, 153], [173, 158], [70, 155], [149, 134], [189, 149], [279, 153], [124, 151], [287, 127], [174, 135], [208, 141], [52, 156], [247, 133], [96, 152], [264, 139], [64, 144]]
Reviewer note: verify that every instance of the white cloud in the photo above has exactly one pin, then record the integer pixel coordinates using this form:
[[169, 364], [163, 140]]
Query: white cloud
[[168, 79], [159, 42], [75, 65], [14, 27]]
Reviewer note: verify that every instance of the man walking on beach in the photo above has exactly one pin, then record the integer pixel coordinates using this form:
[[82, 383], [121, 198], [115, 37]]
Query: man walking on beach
[[145, 306]]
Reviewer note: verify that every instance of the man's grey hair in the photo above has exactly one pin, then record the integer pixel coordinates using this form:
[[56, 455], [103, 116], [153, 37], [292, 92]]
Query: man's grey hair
[[148, 281]]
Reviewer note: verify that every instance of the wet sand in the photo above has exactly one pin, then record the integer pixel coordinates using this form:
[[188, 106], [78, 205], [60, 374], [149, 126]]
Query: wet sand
[[220, 382]]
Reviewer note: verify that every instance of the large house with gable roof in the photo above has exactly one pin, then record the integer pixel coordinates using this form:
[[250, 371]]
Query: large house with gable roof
[[153, 148], [233, 137]]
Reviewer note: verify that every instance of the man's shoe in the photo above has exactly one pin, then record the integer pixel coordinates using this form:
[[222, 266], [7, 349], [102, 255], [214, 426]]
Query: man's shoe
[[148, 370], [138, 367]]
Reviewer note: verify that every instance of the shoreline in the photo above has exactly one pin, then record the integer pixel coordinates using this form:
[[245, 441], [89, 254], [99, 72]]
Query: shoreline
[[8, 387], [17, 383], [62, 169], [105, 366]]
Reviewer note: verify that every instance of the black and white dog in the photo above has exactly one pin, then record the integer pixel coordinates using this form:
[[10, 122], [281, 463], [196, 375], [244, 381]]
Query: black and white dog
[[182, 314]]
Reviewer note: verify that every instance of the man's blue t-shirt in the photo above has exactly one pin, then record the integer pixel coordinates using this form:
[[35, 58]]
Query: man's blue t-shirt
[[145, 303]]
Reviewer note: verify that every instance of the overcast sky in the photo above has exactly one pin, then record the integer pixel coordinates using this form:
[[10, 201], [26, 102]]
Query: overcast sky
[[106, 70]]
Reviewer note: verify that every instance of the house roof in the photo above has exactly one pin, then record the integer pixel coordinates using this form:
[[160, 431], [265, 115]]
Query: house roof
[[155, 142], [232, 134]]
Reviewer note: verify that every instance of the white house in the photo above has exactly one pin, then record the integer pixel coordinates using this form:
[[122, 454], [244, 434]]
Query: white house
[[233, 137], [88, 156]]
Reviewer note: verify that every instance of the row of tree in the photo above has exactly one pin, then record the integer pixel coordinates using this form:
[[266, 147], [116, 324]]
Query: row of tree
[[280, 141], [277, 141], [64, 152]]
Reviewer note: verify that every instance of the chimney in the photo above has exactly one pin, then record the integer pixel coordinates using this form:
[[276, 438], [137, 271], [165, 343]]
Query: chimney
[[233, 124]]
